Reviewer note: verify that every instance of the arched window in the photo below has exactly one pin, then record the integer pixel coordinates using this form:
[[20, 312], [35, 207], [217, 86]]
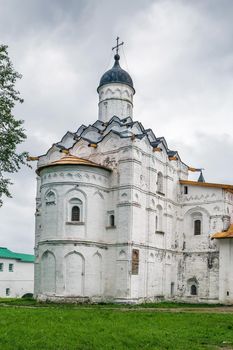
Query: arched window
[[197, 227], [197, 223], [75, 210], [193, 290], [111, 220], [75, 215], [160, 183]]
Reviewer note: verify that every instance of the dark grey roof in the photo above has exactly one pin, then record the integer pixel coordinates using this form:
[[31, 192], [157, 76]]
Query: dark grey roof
[[128, 128], [171, 153], [116, 75]]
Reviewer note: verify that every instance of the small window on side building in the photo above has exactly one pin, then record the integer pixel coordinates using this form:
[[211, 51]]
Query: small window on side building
[[7, 292], [1, 266], [185, 189], [11, 267]]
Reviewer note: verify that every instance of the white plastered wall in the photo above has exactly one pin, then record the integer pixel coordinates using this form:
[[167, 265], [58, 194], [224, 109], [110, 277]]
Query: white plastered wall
[[19, 281]]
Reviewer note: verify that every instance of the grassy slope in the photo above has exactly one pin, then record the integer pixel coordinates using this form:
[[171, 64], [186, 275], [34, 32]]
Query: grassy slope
[[93, 328]]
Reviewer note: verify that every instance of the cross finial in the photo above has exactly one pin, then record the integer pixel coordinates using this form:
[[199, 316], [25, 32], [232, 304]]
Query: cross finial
[[117, 45]]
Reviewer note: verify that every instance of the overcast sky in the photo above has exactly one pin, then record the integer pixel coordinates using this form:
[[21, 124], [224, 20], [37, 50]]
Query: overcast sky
[[178, 52]]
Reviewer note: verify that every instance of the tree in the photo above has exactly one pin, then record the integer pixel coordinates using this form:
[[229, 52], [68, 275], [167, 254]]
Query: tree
[[11, 130]]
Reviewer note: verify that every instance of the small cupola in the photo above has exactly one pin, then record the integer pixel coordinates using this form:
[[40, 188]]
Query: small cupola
[[115, 91], [201, 177]]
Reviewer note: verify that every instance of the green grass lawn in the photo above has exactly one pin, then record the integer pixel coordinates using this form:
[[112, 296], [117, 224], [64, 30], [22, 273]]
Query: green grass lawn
[[73, 328]]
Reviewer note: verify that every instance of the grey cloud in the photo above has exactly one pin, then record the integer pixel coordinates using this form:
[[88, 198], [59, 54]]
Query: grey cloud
[[211, 152]]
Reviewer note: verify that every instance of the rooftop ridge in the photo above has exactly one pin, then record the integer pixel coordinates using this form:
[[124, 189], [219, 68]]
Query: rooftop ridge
[[8, 254]]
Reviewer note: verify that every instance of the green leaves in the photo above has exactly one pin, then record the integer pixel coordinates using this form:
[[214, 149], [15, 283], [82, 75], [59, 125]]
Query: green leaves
[[11, 130]]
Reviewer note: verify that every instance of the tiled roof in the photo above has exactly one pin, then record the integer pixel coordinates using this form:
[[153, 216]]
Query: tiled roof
[[8, 254], [224, 234]]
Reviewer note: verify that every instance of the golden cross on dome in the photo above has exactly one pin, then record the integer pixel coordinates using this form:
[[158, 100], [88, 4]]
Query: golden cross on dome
[[117, 45]]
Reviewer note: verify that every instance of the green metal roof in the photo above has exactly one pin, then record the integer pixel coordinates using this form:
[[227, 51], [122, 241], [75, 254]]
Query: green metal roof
[[8, 254]]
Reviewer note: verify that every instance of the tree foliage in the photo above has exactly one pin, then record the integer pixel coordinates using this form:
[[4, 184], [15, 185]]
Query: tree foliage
[[11, 130]]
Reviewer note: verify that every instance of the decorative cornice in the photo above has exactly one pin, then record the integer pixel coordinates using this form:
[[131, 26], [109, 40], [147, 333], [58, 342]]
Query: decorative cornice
[[127, 204], [168, 215], [105, 245], [130, 160], [151, 209]]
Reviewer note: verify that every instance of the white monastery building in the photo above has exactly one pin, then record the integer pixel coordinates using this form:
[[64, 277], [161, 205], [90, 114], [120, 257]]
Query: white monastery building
[[118, 220], [16, 273]]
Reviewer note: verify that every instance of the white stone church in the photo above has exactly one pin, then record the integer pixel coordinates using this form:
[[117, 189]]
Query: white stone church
[[118, 220]]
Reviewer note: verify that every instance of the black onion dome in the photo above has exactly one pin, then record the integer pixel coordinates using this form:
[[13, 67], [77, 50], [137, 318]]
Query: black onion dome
[[116, 75]]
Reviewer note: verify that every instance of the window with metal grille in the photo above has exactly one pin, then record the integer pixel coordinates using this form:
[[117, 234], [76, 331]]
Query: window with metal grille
[[197, 227], [7, 291], [1, 266], [11, 267], [75, 215]]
